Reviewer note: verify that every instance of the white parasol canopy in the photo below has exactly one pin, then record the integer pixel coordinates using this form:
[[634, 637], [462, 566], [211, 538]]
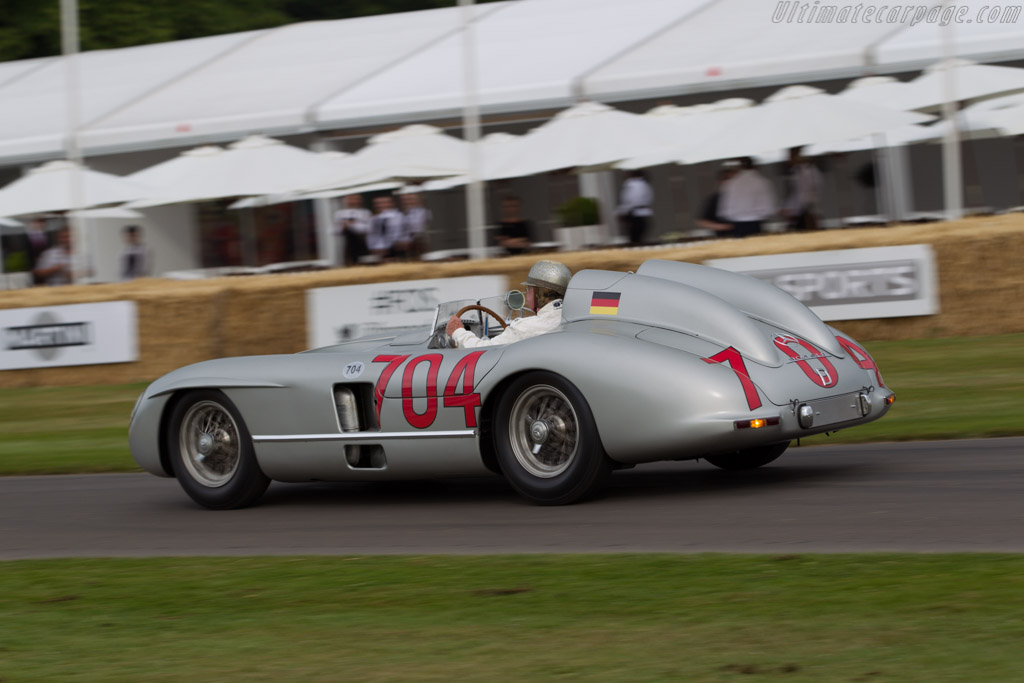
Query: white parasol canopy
[[972, 83], [695, 124], [168, 173], [255, 165], [587, 135], [272, 199], [417, 151], [494, 149], [796, 116], [50, 188]]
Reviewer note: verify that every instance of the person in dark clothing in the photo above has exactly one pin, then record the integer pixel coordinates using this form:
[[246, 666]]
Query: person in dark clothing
[[134, 256], [513, 230], [711, 218], [38, 242]]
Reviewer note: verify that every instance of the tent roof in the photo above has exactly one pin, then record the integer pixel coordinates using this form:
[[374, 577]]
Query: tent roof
[[272, 83], [398, 68], [33, 119], [528, 57]]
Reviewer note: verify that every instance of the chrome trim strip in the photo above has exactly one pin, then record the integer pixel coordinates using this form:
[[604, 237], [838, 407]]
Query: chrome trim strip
[[363, 436]]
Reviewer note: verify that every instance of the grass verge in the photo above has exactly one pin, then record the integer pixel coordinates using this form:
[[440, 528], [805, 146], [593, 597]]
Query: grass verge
[[877, 617], [945, 389]]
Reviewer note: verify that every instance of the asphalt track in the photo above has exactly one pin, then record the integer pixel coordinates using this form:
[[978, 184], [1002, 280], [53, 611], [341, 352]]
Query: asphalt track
[[948, 496]]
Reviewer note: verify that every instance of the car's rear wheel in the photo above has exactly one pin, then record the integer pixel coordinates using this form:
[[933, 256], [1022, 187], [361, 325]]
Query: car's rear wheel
[[546, 441], [749, 459], [211, 452]]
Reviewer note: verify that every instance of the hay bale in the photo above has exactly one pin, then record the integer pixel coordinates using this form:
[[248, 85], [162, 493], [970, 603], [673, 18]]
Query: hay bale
[[981, 290]]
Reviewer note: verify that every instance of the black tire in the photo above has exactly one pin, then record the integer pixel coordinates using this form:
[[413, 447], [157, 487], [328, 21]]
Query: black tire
[[211, 452], [554, 457], [750, 459]]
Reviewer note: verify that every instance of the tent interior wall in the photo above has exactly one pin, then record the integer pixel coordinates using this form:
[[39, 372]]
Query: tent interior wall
[[147, 104]]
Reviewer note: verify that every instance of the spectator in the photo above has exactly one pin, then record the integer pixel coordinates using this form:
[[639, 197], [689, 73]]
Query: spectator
[[748, 199], [38, 242], [803, 180], [513, 230], [58, 265], [387, 237], [711, 218], [353, 228], [417, 223], [635, 205], [134, 255]]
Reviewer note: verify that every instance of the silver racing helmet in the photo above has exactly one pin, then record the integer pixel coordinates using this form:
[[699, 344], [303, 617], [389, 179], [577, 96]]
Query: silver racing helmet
[[550, 275]]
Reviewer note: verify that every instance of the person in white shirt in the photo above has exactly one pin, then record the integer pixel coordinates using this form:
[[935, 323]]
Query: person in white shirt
[[635, 203], [748, 199], [353, 226], [545, 287], [417, 223], [387, 236], [134, 256], [804, 181], [58, 265]]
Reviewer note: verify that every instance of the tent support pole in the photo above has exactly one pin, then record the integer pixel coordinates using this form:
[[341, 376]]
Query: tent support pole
[[951, 169], [471, 132]]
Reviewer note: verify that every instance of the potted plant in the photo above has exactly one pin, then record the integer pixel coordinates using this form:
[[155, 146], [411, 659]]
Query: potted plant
[[581, 219], [579, 211]]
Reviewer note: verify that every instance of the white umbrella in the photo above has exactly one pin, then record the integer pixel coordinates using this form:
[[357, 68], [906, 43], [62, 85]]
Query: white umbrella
[[169, 172], [880, 91], [695, 124], [905, 135], [972, 83], [494, 149], [270, 199], [587, 135], [110, 212], [49, 188], [256, 165], [330, 159], [974, 125], [416, 151], [794, 117]]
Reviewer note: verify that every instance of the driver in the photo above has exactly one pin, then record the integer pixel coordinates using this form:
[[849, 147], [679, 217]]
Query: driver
[[545, 287]]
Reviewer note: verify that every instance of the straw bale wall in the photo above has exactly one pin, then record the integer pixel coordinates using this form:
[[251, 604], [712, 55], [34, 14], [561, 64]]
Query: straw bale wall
[[979, 264]]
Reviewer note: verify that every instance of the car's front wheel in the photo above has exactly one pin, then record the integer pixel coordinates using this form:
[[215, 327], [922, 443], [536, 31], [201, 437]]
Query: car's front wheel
[[749, 459], [547, 442], [211, 452]]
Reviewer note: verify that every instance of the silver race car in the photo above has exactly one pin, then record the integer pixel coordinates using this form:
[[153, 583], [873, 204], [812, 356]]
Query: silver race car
[[674, 362]]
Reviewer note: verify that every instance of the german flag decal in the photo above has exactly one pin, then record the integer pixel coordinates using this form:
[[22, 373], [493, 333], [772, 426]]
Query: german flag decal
[[605, 303]]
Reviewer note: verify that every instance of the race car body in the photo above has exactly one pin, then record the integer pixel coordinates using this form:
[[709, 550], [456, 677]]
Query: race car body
[[676, 361]]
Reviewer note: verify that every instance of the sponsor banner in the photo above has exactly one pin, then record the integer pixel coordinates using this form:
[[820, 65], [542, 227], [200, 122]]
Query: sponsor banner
[[339, 314], [78, 334], [851, 284]]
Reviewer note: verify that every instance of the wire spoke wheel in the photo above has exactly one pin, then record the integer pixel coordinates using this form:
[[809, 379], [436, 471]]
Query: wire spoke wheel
[[209, 443], [544, 431]]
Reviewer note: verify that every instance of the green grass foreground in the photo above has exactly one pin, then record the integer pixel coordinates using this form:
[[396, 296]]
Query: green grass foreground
[[879, 617], [945, 389]]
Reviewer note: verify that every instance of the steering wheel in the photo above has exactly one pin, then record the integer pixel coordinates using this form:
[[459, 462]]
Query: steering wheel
[[476, 307]]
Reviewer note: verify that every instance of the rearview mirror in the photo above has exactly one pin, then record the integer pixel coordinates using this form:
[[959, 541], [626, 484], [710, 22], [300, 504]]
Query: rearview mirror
[[515, 300]]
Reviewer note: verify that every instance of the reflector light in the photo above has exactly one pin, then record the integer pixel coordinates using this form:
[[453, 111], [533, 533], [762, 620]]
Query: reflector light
[[757, 423], [890, 399]]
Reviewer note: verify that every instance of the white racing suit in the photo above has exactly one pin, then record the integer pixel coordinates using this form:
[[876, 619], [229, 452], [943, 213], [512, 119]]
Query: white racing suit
[[547, 319]]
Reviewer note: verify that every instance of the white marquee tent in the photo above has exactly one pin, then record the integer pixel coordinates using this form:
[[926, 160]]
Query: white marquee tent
[[376, 72]]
